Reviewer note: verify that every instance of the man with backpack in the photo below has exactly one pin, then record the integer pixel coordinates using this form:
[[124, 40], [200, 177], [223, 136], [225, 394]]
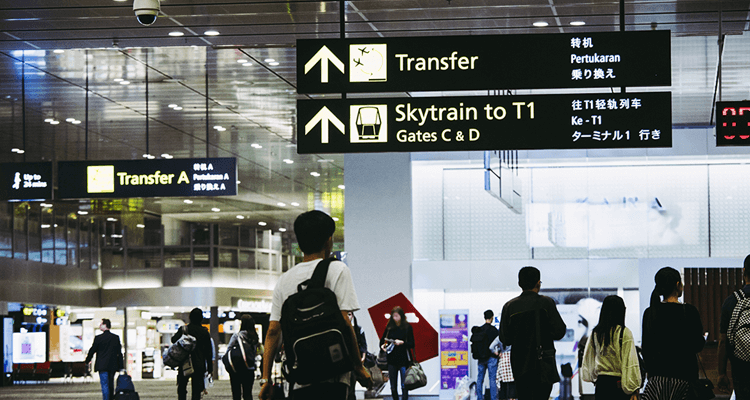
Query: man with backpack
[[319, 342], [734, 339], [531, 323], [199, 360], [481, 338]]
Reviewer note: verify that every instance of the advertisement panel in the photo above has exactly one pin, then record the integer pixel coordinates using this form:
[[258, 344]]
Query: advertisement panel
[[29, 347], [454, 347]]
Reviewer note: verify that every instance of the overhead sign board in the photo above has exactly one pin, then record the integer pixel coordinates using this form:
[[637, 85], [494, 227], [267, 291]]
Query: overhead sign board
[[571, 60], [147, 178], [733, 123], [26, 181], [583, 121]]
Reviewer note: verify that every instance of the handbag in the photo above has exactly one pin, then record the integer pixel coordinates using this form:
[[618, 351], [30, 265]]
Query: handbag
[[187, 367], [415, 377], [382, 360], [701, 388], [370, 360]]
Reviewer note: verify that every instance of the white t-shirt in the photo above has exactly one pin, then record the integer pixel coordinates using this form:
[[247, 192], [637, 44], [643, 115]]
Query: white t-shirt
[[339, 280]]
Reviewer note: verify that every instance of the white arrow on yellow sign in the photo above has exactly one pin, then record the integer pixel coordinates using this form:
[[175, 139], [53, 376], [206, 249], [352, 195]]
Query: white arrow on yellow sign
[[324, 116], [324, 56]]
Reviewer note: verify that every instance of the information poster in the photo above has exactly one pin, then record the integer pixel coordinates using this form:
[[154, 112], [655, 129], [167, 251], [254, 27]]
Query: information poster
[[29, 348], [454, 348]]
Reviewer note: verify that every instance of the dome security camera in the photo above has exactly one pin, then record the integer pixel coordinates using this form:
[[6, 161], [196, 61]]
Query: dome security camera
[[146, 11]]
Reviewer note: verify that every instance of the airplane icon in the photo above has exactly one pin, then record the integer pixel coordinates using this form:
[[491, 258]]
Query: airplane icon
[[357, 62], [364, 50]]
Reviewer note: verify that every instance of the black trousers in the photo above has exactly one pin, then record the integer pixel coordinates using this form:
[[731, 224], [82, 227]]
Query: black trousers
[[532, 389], [242, 384], [318, 391], [607, 388], [197, 386]]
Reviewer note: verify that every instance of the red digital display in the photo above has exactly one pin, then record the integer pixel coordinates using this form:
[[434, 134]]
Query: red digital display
[[733, 123]]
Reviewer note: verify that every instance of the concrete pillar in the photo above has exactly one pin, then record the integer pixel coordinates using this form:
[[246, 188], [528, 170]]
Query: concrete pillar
[[378, 229]]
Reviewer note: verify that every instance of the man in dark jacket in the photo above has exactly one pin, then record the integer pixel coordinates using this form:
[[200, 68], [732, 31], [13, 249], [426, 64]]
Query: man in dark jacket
[[488, 360], [200, 356], [108, 352], [518, 327]]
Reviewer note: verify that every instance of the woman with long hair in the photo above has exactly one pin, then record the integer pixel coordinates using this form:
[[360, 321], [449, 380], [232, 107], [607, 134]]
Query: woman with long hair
[[672, 337], [242, 379], [399, 333], [610, 359]]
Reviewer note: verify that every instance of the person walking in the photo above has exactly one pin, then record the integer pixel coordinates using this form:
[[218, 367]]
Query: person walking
[[486, 357], [243, 378], [314, 231], [672, 338], [732, 311], [399, 336], [200, 357], [108, 350], [530, 323], [610, 359]]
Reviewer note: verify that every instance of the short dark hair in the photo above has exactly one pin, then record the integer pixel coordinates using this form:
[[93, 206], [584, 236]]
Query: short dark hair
[[528, 277], [313, 229], [746, 271], [488, 314], [196, 316], [107, 323]]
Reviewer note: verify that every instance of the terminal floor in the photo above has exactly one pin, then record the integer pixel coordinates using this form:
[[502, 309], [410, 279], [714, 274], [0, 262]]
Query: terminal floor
[[78, 390]]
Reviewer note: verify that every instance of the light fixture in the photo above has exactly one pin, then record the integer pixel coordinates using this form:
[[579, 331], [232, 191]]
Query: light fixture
[[315, 174], [240, 217], [220, 128], [186, 201], [21, 151], [342, 187], [172, 106], [15, 150], [215, 209], [273, 64], [119, 79], [280, 204], [70, 120], [81, 212], [282, 229], [59, 51], [577, 23], [140, 226], [45, 205], [167, 156], [45, 226], [295, 204], [269, 60], [256, 145], [76, 122], [211, 33], [261, 223], [55, 122], [242, 61], [288, 161], [49, 120], [176, 33], [124, 82], [178, 108], [110, 219], [247, 64], [541, 24]]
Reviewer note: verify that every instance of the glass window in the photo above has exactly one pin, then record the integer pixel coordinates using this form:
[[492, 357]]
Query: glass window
[[201, 234], [6, 232], [61, 239], [48, 235], [228, 258], [229, 235], [112, 258], [247, 259], [247, 237], [144, 259], [177, 257], [201, 258], [35, 233], [264, 261], [19, 231], [84, 237], [73, 240]]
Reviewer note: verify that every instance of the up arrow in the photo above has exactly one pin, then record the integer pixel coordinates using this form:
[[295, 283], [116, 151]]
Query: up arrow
[[324, 116], [324, 55]]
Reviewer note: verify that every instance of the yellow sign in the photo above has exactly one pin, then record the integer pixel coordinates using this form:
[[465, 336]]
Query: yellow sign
[[101, 178], [453, 358]]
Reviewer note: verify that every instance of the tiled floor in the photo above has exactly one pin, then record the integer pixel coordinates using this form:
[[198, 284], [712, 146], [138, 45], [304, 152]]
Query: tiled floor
[[147, 390]]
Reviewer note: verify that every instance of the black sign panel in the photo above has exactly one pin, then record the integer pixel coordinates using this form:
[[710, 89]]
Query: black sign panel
[[580, 60], [26, 181], [584, 121], [147, 178], [733, 123]]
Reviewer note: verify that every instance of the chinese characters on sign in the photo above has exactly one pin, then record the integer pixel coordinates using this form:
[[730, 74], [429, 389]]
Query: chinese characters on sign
[[611, 104], [591, 73]]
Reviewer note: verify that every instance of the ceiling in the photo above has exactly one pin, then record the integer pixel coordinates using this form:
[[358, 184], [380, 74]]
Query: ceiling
[[236, 102]]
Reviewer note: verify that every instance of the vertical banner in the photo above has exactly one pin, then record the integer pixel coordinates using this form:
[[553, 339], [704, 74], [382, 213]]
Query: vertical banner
[[454, 349]]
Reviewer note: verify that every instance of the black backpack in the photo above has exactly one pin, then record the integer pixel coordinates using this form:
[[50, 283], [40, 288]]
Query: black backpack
[[480, 349], [241, 356], [317, 339]]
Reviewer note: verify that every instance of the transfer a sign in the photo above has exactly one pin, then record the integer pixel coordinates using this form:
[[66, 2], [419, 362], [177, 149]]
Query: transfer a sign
[[571, 60], [528, 122], [148, 178], [26, 181]]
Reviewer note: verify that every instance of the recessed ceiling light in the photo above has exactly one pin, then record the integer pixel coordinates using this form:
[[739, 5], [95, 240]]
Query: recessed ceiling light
[[186, 201], [172, 106], [247, 64], [46, 205], [288, 161], [215, 209], [261, 223], [81, 212], [140, 226], [76, 122], [211, 33], [282, 229], [242, 61], [240, 217], [110, 219], [55, 122], [273, 64], [541, 24], [315, 174], [295, 204], [21, 151], [342, 187], [119, 79], [59, 51], [178, 108], [124, 82], [256, 145], [280, 204], [15, 150], [70, 119], [578, 23], [176, 33], [49, 120], [269, 60]]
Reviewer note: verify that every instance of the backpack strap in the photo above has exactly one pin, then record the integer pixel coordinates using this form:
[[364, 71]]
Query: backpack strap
[[740, 295], [318, 279]]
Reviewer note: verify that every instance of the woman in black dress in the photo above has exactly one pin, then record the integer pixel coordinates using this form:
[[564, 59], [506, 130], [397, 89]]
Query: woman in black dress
[[400, 334]]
